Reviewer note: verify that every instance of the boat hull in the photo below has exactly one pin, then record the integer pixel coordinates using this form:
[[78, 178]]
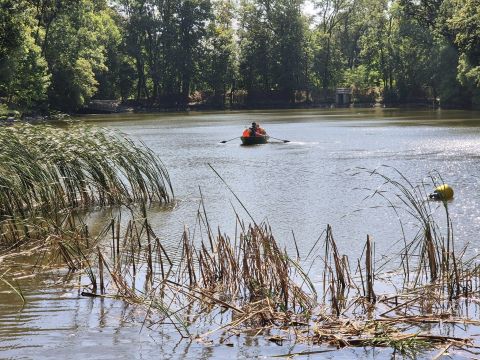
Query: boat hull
[[254, 140]]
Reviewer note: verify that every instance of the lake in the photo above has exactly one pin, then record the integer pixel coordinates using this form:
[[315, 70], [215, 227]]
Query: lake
[[320, 177]]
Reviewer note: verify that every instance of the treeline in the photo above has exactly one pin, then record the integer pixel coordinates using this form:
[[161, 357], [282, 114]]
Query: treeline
[[60, 54]]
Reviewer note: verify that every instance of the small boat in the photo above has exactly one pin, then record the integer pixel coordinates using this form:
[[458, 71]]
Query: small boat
[[254, 140]]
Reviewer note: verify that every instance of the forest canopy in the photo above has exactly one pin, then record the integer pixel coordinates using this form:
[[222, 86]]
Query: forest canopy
[[60, 54]]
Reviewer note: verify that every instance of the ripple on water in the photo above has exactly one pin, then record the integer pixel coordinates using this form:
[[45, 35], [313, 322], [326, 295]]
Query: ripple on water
[[301, 186]]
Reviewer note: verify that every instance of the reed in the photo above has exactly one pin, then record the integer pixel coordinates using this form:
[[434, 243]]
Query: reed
[[15, 289], [256, 281], [46, 171], [430, 257], [260, 287], [256, 286]]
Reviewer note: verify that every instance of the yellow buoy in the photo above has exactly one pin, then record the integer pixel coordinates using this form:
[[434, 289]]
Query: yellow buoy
[[443, 192]]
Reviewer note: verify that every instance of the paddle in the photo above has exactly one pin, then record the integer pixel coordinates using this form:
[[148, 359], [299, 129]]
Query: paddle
[[225, 141], [285, 141]]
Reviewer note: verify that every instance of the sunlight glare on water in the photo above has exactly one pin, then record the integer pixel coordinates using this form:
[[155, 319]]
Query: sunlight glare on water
[[298, 187]]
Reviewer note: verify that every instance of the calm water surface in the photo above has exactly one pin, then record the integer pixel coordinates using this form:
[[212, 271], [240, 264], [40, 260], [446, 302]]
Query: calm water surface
[[298, 187]]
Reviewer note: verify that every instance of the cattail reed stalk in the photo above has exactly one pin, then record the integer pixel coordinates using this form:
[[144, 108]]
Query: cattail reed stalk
[[369, 271], [362, 281], [187, 252], [160, 258], [254, 281], [112, 224], [86, 236], [127, 238], [100, 271], [118, 237], [430, 249], [134, 268], [159, 244], [149, 253]]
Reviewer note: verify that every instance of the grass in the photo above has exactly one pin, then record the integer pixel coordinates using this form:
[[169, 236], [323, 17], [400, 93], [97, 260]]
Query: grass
[[48, 171], [15, 289]]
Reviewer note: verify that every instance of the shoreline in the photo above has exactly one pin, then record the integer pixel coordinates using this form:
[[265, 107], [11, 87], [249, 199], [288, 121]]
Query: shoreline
[[33, 116], [109, 108]]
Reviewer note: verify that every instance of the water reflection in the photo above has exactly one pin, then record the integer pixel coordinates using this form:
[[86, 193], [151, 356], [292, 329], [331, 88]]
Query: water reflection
[[300, 186]]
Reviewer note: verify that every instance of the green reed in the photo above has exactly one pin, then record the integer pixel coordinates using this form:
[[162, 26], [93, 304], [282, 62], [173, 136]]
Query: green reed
[[46, 171]]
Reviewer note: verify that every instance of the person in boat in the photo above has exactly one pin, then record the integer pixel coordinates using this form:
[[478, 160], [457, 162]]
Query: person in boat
[[261, 131], [253, 129]]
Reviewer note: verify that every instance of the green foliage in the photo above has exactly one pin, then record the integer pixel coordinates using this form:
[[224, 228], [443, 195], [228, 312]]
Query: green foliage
[[27, 78], [465, 24], [111, 79], [448, 88], [47, 170], [75, 49], [256, 39], [329, 62], [24, 77], [361, 77], [219, 68], [273, 58], [63, 53], [11, 26], [166, 40], [455, 25]]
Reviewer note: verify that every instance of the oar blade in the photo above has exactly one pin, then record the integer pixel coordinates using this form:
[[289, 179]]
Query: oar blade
[[284, 141], [225, 141]]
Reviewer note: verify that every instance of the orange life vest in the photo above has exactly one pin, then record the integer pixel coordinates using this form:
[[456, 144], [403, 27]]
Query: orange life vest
[[246, 133]]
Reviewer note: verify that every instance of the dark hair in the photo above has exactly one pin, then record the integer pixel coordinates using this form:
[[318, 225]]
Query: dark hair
[[254, 123]]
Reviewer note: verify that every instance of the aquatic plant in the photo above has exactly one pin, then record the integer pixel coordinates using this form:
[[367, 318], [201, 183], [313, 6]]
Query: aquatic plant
[[429, 258], [263, 289], [46, 171], [251, 276], [254, 286]]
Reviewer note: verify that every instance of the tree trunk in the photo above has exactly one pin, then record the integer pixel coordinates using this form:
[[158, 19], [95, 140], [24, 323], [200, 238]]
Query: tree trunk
[[325, 72]]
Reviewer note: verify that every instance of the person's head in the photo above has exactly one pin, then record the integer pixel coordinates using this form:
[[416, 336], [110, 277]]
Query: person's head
[[254, 124]]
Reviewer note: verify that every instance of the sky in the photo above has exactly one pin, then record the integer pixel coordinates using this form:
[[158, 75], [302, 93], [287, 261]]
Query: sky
[[308, 7]]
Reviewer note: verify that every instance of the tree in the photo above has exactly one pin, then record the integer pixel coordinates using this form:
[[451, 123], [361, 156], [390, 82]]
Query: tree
[[290, 26], [115, 79], [76, 50], [329, 61], [193, 18], [425, 11], [219, 67], [465, 24], [61, 53], [256, 43], [166, 37], [455, 24], [273, 36], [24, 76]]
